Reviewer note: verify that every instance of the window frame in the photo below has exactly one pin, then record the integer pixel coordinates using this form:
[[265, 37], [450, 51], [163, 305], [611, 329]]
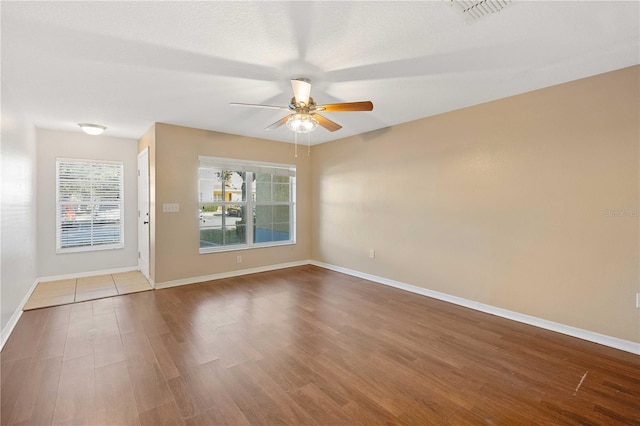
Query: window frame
[[250, 168], [60, 204]]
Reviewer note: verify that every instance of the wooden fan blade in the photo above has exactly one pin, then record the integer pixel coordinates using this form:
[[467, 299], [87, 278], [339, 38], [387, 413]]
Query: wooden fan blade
[[282, 108], [327, 124], [301, 90], [278, 123], [347, 106]]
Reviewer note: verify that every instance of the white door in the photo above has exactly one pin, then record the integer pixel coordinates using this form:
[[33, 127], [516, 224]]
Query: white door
[[143, 212]]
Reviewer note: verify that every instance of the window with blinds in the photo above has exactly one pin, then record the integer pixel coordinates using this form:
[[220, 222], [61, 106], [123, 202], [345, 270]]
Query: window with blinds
[[89, 205]]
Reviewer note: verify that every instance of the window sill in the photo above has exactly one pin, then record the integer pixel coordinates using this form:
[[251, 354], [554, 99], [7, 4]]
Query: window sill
[[84, 249], [239, 247]]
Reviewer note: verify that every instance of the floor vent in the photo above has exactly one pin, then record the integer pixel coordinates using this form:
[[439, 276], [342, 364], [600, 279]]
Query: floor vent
[[476, 9]]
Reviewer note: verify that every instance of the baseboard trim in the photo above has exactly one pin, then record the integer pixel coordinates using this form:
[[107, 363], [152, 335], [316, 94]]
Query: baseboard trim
[[87, 274], [613, 342], [13, 321], [229, 274]]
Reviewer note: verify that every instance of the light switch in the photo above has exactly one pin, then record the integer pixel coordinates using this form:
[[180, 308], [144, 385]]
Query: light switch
[[170, 208]]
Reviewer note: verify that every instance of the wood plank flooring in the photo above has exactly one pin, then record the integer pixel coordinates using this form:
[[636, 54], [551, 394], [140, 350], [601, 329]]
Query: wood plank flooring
[[303, 346]]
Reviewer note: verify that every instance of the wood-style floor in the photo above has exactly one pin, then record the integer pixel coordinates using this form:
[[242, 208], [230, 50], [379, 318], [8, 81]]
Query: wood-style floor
[[303, 346]]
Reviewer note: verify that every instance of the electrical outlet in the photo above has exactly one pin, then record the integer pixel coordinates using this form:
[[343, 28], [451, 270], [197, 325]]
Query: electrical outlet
[[638, 300], [238, 259], [372, 254]]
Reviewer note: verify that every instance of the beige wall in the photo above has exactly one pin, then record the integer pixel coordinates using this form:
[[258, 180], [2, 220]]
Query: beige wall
[[504, 203], [175, 164], [55, 143]]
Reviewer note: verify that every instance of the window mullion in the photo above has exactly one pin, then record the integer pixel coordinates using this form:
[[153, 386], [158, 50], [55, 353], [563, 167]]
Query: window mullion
[[224, 208], [249, 211]]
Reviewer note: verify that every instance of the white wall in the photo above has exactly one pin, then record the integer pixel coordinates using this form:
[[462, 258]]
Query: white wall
[[52, 144], [18, 211]]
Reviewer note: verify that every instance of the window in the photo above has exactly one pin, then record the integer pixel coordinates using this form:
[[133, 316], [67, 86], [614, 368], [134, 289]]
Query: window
[[89, 205], [245, 204]]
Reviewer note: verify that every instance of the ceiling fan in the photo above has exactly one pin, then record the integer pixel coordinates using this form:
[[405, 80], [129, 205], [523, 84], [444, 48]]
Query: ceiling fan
[[304, 117]]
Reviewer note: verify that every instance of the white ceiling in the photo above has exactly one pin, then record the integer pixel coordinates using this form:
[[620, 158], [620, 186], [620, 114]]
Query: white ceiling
[[129, 64]]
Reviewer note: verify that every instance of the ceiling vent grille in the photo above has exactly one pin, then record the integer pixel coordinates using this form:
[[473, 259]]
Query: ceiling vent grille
[[476, 9]]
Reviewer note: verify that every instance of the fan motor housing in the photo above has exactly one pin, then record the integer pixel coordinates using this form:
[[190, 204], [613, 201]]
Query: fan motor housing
[[302, 107]]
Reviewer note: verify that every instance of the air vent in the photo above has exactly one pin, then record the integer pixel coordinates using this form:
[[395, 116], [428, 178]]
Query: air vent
[[476, 9]]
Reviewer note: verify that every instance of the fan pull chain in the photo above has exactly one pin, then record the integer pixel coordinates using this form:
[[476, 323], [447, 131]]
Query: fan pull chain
[[296, 143], [308, 143]]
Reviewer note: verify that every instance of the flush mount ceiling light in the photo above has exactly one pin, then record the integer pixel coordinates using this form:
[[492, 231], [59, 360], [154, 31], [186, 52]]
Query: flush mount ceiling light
[[92, 129]]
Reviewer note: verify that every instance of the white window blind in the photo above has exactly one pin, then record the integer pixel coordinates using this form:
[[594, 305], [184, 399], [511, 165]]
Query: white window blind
[[89, 205]]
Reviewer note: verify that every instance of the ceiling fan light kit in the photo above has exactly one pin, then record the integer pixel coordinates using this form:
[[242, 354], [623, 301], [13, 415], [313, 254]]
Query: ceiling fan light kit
[[302, 123]]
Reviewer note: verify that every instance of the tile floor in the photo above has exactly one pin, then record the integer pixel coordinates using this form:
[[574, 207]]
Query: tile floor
[[54, 293]]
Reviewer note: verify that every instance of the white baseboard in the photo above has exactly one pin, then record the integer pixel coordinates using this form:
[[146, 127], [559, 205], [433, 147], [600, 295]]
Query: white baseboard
[[229, 274], [613, 342], [87, 274], [8, 329]]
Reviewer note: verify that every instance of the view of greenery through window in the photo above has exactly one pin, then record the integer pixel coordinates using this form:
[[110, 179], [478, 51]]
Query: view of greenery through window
[[245, 206]]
